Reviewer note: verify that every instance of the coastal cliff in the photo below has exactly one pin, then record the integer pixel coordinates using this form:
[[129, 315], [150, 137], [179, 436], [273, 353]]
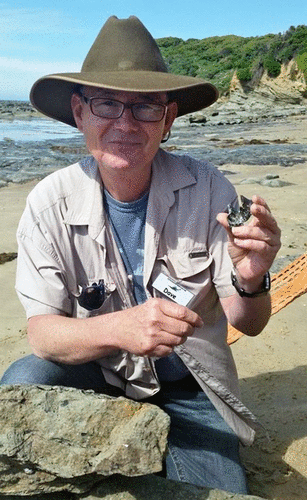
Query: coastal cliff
[[288, 87]]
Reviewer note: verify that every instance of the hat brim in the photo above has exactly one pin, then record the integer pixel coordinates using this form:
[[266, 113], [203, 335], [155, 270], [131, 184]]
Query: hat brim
[[51, 95]]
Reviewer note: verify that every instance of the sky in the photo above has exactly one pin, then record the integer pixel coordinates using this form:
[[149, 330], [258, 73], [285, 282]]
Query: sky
[[39, 37]]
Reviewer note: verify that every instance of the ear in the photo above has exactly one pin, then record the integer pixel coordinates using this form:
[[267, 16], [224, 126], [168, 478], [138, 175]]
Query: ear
[[171, 114], [77, 110]]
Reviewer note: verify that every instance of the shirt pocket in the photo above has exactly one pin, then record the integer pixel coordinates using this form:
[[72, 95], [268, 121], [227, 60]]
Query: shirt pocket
[[191, 269], [110, 303]]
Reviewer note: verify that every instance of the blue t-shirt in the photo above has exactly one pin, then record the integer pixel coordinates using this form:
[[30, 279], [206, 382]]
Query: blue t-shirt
[[128, 224]]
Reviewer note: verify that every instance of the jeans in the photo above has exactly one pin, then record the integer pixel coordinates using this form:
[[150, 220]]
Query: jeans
[[202, 448]]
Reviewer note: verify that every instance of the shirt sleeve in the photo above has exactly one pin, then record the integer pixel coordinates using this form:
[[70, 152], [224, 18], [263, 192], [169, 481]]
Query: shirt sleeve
[[40, 280], [222, 194]]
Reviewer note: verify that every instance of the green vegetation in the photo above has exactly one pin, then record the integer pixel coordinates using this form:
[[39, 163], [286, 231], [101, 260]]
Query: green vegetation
[[217, 58], [272, 66], [245, 74], [301, 60]]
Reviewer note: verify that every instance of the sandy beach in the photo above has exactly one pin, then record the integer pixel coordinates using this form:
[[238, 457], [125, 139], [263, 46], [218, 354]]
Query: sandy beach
[[272, 367]]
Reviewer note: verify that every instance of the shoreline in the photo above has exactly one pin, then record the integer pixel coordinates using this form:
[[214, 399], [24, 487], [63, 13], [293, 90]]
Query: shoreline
[[224, 139]]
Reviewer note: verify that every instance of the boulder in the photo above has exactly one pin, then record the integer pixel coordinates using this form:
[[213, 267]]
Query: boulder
[[142, 488], [157, 488], [57, 438], [296, 455]]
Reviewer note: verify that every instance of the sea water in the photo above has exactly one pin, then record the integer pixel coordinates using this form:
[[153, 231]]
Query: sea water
[[31, 149], [35, 129]]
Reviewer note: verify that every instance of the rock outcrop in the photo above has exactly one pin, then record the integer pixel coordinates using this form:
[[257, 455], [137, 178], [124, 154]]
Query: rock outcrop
[[157, 488], [262, 99], [9, 110], [287, 88], [54, 439], [141, 488], [245, 107]]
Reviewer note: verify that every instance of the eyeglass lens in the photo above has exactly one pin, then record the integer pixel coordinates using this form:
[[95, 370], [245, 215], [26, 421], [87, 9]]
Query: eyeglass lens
[[110, 108]]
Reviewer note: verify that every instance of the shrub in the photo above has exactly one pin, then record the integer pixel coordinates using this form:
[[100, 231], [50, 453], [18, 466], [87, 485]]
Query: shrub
[[286, 54], [169, 41], [273, 67], [244, 74], [301, 61]]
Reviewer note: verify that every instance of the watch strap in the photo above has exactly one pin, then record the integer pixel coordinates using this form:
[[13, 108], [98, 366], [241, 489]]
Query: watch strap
[[265, 287]]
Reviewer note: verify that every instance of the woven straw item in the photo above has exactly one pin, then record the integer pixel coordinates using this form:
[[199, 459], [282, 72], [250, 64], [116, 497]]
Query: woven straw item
[[287, 285]]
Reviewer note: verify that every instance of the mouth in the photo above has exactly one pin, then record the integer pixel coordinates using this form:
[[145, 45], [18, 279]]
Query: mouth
[[125, 142]]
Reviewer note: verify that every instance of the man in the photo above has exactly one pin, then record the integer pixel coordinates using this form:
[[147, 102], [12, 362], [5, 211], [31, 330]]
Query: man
[[124, 269]]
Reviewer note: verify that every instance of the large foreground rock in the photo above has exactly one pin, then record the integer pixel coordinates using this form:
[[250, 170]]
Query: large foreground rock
[[157, 488], [54, 439], [142, 488]]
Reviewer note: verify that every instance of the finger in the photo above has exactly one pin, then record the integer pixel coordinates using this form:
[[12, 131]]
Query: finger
[[223, 220], [264, 218], [256, 233], [181, 313], [258, 200], [173, 340], [257, 246], [161, 351], [177, 327], [170, 325], [166, 344]]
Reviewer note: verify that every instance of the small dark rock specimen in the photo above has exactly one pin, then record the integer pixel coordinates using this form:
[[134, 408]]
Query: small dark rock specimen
[[240, 216]]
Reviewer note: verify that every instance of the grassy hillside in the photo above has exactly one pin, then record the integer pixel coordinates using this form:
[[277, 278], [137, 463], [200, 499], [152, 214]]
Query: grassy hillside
[[217, 58]]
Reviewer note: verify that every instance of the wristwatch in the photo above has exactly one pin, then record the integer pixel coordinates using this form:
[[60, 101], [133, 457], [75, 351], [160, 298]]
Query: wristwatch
[[265, 288]]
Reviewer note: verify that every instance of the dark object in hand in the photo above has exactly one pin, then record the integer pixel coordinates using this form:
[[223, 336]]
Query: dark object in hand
[[92, 297], [238, 217]]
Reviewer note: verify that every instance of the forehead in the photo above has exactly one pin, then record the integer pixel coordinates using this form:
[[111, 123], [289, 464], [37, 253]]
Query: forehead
[[122, 95]]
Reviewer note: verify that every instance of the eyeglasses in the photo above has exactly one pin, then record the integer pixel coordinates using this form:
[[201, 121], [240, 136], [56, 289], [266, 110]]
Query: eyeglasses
[[113, 109]]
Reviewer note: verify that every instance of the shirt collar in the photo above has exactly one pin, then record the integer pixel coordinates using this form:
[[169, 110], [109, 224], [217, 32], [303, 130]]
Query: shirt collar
[[169, 174], [85, 204]]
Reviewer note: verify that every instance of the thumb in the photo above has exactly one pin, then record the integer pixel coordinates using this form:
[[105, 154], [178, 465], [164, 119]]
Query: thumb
[[222, 219]]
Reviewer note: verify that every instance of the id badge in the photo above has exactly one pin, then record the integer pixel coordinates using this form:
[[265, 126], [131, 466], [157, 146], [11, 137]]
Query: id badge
[[172, 290]]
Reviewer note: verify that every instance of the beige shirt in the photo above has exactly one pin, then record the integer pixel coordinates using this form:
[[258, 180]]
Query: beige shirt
[[65, 243]]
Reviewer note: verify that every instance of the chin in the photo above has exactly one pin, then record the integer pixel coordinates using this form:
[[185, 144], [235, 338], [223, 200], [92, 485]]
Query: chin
[[113, 161]]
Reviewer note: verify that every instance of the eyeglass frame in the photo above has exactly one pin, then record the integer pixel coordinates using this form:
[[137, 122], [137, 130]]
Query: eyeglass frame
[[89, 100]]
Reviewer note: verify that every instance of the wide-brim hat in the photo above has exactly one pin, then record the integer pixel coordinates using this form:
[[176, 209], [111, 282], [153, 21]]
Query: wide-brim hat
[[123, 57]]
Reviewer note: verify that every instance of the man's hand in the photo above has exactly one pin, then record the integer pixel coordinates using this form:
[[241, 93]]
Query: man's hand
[[156, 327], [253, 247]]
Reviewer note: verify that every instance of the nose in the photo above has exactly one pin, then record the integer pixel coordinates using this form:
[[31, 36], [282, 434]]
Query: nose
[[127, 120]]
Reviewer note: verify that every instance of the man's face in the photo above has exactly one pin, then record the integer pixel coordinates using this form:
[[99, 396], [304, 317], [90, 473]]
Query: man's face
[[124, 142]]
